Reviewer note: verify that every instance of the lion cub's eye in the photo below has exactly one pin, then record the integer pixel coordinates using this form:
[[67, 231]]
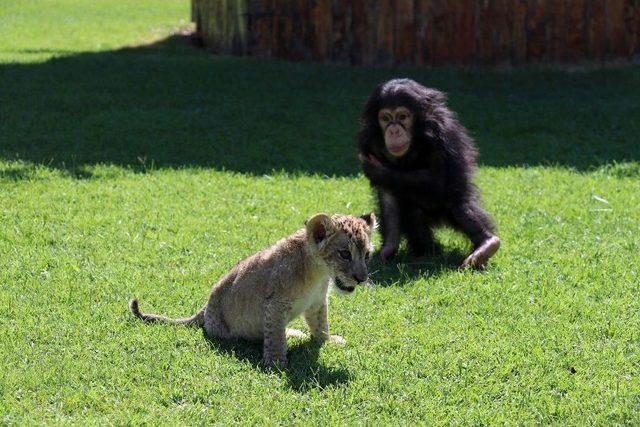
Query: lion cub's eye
[[344, 254]]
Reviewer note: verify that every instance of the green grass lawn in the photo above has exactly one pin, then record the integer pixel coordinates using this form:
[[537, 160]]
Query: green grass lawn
[[133, 164]]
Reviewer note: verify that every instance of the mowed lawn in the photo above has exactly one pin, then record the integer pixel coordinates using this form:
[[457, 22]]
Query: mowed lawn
[[135, 164]]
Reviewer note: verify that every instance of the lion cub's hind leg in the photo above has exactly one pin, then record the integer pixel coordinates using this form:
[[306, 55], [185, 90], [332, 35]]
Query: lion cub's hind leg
[[214, 325], [295, 334]]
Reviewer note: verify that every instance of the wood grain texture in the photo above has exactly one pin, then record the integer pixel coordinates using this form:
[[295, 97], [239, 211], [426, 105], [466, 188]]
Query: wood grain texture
[[423, 32]]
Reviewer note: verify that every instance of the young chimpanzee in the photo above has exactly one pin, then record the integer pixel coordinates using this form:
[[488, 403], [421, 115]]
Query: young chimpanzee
[[421, 161]]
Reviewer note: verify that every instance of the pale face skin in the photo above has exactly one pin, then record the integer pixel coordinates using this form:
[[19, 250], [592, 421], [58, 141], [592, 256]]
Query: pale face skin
[[397, 126]]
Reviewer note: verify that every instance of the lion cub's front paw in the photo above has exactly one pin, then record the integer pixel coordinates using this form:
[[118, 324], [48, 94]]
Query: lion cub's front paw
[[337, 339], [274, 361]]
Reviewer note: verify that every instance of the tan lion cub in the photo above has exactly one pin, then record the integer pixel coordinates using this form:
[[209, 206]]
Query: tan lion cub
[[258, 298]]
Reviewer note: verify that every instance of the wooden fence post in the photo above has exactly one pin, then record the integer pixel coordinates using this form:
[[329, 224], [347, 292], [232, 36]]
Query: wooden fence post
[[423, 32]]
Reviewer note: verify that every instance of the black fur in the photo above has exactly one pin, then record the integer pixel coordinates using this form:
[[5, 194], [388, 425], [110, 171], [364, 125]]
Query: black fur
[[432, 182]]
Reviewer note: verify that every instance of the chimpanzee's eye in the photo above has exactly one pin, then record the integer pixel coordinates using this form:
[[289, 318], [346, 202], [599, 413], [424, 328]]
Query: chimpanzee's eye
[[402, 117], [385, 118], [345, 254]]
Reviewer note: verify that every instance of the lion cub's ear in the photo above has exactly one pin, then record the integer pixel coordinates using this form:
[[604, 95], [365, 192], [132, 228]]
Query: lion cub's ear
[[319, 227], [371, 220]]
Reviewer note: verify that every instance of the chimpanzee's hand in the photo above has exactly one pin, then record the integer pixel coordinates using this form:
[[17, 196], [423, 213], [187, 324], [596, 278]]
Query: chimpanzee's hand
[[375, 161], [375, 173], [372, 168]]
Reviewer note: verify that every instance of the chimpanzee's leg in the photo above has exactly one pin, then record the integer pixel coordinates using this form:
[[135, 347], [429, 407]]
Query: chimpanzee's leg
[[417, 228], [469, 218], [389, 224]]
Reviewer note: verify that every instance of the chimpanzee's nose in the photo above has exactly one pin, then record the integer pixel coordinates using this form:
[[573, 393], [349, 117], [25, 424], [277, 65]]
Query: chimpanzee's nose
[[360, 278]]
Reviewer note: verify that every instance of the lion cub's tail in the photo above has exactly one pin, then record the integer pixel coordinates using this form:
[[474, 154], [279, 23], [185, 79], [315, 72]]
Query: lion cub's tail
[[195, 320]]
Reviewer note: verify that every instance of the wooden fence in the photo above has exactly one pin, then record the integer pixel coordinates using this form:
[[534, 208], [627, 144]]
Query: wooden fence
[[422, 32]]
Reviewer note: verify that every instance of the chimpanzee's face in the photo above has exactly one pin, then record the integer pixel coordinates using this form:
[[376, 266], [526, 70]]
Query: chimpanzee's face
[[397, 127]]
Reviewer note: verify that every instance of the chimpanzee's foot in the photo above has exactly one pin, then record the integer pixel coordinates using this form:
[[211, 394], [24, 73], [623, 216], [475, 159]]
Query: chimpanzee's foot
[[387, 252], [479, 257]]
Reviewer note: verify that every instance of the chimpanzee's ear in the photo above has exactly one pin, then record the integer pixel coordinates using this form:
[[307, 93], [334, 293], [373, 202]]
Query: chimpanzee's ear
[[319, 227]]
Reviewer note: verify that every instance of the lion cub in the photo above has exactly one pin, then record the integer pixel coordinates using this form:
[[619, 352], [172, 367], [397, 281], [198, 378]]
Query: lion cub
[[262, 294]]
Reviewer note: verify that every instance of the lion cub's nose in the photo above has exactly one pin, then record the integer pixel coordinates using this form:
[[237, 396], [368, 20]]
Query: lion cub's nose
[[360, 278]]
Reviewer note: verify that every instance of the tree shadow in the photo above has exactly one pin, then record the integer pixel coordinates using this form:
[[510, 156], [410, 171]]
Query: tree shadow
[[172, 105], [303, 371]]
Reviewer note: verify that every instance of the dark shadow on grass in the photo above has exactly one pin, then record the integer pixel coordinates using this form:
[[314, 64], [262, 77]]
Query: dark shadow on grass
[[29, 171], [39, 51], [172, 105], [405, 268], [17, 173], [303, 371]]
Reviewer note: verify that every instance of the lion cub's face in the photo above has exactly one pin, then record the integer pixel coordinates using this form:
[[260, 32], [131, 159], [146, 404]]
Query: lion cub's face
[[344, 244]]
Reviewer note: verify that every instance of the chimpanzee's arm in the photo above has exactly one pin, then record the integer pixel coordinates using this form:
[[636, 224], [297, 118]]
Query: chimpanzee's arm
[[421, 180]]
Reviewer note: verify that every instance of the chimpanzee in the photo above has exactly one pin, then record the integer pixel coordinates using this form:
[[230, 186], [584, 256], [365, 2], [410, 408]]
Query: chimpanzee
[[420, 160]]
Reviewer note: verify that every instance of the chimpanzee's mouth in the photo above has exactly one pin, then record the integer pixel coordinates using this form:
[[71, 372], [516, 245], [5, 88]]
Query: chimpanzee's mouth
[[340, 285], [398, 149]]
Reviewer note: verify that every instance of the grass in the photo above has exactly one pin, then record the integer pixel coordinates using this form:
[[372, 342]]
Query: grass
[[133, 164]]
